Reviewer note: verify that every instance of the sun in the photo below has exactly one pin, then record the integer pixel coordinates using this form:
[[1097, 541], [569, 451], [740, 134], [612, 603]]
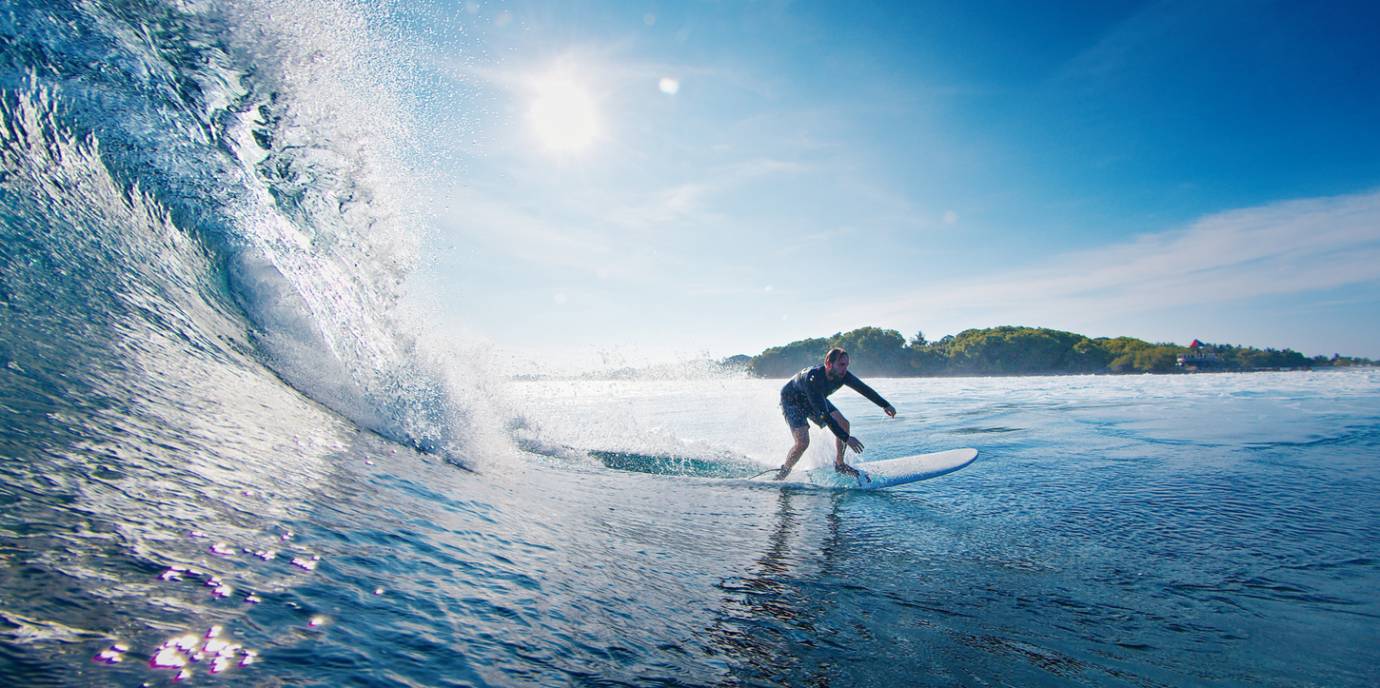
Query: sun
[[563, 114]]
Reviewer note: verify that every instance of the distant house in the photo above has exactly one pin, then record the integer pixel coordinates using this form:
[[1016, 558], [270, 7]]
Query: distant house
[[1198, 357]]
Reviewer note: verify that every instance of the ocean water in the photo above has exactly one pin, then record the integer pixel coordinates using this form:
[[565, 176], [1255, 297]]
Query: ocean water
[[228, 456]]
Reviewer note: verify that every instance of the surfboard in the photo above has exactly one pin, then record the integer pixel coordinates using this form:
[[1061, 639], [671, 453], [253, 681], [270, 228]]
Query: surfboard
[[876, 475]]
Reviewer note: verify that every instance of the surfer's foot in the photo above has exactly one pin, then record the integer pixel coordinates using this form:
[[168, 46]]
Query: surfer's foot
[[846, 469], [782, 473]]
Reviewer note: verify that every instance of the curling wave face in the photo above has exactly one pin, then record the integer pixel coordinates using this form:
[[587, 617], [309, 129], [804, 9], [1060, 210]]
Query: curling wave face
[[218, 176]]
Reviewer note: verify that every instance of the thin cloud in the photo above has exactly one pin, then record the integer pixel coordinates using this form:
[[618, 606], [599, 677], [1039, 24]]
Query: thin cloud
[[1274, 250], [505, 232], [1115, 51], [691, 200]]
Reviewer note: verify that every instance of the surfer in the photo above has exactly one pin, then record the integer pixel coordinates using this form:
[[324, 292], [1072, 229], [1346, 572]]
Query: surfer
[[805, 396]]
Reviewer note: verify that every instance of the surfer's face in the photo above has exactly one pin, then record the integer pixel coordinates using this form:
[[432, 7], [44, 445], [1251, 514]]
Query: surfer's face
[[837, 369]]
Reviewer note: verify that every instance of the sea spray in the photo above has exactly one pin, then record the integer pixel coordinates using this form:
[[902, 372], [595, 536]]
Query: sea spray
[[273, 134]]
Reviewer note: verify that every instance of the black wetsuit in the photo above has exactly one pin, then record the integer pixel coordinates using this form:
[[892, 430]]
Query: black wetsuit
[[806, 396]]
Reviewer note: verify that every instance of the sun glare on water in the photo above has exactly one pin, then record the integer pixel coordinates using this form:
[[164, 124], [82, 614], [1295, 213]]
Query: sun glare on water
[[563, 114]]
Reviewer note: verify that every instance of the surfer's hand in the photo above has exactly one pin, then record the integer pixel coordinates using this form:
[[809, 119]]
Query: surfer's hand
[[855, 444], [890, 411]]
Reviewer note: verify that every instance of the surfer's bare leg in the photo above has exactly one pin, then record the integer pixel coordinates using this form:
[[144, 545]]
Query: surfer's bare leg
[[802, 441], [839, 465]]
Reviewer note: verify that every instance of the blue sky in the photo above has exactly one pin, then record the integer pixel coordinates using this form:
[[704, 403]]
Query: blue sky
[[622, 182]]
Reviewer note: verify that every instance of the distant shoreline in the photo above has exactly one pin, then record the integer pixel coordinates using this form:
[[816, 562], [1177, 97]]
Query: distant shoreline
[[728, 371], [1019, 351], [1005, 351]]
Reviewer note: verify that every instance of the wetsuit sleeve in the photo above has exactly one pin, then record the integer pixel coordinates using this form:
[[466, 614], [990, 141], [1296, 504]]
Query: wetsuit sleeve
[[858, 386], [835, 427]]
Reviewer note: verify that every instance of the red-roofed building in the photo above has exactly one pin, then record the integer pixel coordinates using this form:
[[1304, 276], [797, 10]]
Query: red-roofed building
[[1197, 358]]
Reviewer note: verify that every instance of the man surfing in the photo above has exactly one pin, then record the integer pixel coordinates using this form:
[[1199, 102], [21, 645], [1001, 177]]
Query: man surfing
[[805, 396]]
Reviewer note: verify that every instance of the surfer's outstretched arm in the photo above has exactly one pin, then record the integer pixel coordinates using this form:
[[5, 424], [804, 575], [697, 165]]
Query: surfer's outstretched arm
[[862, 388]]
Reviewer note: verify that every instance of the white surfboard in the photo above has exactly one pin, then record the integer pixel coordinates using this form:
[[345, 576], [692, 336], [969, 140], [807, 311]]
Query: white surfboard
[[878, 474]]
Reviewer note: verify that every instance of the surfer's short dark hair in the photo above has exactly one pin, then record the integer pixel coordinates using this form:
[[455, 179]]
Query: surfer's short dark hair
[[835, 354]]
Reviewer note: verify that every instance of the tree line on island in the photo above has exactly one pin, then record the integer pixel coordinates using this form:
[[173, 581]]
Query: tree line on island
[[1010, 350]]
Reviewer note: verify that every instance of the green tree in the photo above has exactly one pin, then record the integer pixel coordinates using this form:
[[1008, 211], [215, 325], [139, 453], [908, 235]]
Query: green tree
[[874, 351], [783, 361], [1013, 350]]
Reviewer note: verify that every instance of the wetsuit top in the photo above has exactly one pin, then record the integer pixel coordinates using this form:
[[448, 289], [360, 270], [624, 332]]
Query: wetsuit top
[[811, 386]]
